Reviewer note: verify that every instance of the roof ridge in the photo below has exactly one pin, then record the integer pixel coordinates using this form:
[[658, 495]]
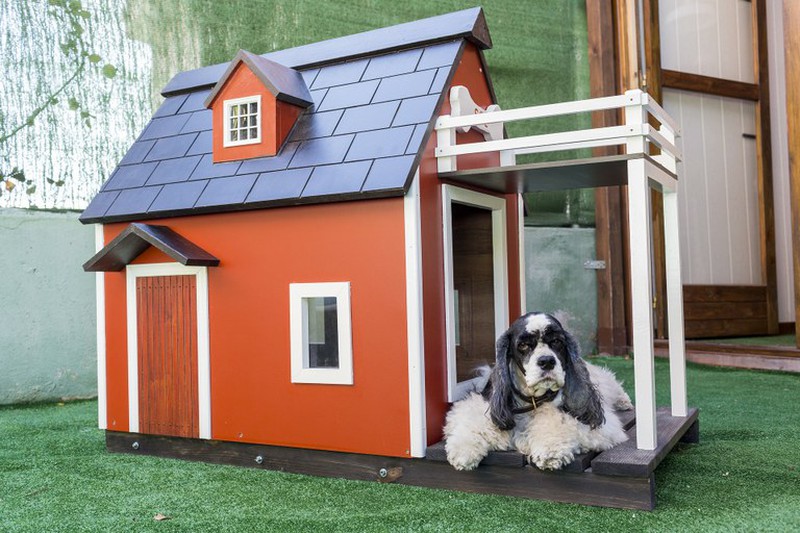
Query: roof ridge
[[468, 24]]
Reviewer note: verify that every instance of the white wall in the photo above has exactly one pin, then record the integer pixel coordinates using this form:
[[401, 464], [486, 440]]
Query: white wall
[[719, 198]]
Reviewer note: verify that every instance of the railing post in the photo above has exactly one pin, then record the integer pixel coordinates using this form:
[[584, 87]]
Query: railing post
[[445, 138]]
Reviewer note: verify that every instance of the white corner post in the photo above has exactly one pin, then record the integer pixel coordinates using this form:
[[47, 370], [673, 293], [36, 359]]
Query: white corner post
[[415, 327], [641, 259], [100, 295]]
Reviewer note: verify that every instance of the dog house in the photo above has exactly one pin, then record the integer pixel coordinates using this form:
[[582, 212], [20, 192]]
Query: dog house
[[298, 268]]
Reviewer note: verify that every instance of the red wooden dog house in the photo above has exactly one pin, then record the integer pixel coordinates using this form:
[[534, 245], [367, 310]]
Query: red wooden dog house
[[282, 267]]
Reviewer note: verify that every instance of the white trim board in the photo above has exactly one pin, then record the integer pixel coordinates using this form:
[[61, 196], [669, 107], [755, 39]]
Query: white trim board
[[416, 346], [100, 296], [203, 357], [450, 195], [301, 372]]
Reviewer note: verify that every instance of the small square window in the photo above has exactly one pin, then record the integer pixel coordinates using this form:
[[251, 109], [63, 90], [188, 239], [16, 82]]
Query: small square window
[[321, 339], [242, 121]]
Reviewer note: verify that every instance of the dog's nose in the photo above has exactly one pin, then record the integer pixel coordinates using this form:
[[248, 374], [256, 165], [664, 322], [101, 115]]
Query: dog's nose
[[546, 362]]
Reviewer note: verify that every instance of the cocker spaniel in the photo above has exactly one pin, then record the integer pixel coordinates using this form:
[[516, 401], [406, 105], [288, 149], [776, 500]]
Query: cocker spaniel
[[541, 399]]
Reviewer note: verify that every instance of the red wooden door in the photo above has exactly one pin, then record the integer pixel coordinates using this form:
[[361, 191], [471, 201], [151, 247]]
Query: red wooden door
[[166, 315]]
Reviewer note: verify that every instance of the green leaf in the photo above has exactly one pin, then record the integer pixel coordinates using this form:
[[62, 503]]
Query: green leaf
[[18, 175], [56, 3], [109, 70], [94, 58], [50, 181], [73, 104], [59, 183], [84, 14], [31, 189], [75, 5], [54, 100], [85, 114]]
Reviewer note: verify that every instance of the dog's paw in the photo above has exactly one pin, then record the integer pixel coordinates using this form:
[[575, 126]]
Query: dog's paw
[[463, 460], [551, 460], [623, 403]]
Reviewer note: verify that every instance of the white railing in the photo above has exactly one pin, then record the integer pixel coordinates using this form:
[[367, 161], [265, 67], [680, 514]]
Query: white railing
[[636, 134]]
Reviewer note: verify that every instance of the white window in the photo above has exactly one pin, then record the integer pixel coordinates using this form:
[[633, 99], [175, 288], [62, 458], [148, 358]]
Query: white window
[[321, 336], [242, 121]]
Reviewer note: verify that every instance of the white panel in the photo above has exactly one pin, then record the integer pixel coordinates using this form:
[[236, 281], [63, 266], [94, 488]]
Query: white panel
[[718, 204], [709, 37], [780, 163]]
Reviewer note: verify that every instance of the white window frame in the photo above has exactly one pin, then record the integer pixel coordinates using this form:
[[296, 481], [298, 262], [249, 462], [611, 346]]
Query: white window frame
[[497, 206], [301, 373], [226, 120], [133, 272]]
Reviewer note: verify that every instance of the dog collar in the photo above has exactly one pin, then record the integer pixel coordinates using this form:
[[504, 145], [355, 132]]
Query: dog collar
[[534, 401]]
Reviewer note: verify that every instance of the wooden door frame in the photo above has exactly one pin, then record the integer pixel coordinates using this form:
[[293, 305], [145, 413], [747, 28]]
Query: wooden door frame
[[498, 207], [613, 68], [791, 37], [132, 272]]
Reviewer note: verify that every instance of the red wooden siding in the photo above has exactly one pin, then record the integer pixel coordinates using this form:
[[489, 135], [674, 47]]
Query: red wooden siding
[[166, 321], [261, 253]]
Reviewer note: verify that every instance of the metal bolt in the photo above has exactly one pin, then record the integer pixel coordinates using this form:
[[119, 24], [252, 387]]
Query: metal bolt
[[383, 472], [259, 459], [135, 445]]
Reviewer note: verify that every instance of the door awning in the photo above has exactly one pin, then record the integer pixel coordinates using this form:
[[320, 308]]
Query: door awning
[[136, 238]]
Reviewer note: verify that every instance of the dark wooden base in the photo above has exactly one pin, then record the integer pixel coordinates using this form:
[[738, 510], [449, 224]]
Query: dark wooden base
[[781, 358], [505, 473]]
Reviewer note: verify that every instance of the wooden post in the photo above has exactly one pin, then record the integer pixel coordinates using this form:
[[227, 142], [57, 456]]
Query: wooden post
[[764, 162], [612, 336], [791, 36]]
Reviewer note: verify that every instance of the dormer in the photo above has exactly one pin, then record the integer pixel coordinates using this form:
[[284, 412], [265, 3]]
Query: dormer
[[254, 106]]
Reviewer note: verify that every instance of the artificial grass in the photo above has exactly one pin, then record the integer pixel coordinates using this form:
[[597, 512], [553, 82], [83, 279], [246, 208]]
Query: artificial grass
[[765, 340], [55, 475]]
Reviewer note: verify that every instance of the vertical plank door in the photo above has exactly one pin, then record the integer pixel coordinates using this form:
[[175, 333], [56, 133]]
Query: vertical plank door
[[166, 309]]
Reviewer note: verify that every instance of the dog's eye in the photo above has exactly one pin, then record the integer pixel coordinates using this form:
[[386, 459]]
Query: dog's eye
[[557, 343], [523, 347]]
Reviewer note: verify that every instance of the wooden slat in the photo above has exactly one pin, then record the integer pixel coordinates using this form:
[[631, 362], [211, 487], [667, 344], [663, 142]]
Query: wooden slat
[[725, 310], [525, 482], [627, 460], [709, 329], [709, 85], [725, 293], [791, 39]]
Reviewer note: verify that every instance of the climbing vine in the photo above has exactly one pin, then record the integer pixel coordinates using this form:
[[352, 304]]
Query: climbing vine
[[80, 54]]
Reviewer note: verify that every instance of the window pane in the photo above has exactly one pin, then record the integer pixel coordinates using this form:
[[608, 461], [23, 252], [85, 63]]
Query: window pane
[[234, 111], [253, 121], [242, 109], [253, 108], [253, 133], [234, 135], [244, 121], [243, 135], [322, 332]]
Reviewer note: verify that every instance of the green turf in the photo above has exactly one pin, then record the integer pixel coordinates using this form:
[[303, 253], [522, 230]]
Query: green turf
[[766, 340], [56, 476]]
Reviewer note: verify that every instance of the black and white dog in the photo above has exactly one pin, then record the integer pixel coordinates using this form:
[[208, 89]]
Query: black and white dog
[[541, 399]]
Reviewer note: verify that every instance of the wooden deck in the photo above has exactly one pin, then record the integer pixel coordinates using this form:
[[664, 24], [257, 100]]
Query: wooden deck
[[622, 477]]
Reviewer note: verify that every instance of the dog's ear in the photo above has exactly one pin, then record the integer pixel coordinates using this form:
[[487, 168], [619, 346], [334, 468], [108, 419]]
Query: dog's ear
[[581, 399], [501, 396]]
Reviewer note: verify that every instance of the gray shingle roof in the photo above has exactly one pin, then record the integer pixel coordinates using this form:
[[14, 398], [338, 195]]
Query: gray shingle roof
[[362, 138]]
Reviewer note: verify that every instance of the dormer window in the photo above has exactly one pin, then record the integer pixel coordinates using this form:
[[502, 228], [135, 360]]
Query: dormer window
[[254, 106], [242, 121]]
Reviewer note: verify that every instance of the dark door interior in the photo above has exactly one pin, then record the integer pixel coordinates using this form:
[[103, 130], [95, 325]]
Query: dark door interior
[[473, 281]]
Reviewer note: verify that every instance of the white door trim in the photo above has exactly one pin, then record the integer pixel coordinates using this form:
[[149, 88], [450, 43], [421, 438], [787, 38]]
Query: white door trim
[[203, 358], [452, 194]]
